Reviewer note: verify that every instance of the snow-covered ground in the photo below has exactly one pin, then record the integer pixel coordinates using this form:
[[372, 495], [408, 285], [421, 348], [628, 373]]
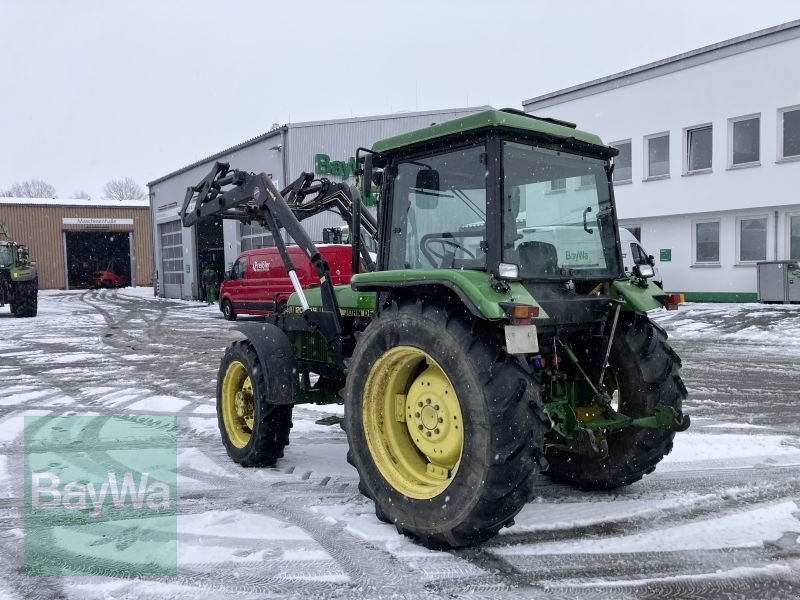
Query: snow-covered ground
[[718, 518]]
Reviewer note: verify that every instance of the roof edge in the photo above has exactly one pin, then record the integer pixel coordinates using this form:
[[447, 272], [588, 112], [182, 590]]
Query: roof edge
[[394, 115], [221, 153], [702, 55], [75, 202], [287, 126]]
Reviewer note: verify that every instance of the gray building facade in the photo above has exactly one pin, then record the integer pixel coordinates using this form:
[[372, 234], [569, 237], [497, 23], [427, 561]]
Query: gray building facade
[[326, 148]]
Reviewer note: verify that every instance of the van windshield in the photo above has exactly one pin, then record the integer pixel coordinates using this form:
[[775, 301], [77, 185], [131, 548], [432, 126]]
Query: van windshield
[[557, 215]]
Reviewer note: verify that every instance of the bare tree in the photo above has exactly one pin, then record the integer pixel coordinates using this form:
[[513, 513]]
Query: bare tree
[[123, 189], [81, 195], [32, 188]]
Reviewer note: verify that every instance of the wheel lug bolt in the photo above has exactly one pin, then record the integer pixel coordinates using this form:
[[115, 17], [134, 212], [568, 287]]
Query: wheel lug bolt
[[419, 404], [427, 401], [436, 431], [441, 420], [428, 433], [420, 428], [435, 407], [416, 415]]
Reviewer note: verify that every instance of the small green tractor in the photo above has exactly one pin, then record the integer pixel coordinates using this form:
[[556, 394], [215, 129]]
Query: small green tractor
[[493, 336], [18, 280]]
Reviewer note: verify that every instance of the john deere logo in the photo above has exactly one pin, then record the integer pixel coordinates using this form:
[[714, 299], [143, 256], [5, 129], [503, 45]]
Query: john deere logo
[[323, 165]]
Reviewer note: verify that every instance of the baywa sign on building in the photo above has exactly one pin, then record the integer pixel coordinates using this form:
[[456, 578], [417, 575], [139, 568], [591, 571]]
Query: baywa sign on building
[[323, 165], [100, 496]]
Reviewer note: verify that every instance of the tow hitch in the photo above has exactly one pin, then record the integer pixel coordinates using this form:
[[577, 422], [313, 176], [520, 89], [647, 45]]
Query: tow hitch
[[581, 427]]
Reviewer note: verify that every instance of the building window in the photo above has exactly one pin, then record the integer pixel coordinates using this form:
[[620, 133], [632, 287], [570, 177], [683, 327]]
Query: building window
[[789, 136], [622, 162], [171, 238], [558, 185], [587, 181], [794, 237], [706, 242], [698, 149], [743, 140], [752, 239], [254, 236], [657, 155]]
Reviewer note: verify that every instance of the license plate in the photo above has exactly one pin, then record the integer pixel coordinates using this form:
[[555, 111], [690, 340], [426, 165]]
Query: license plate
[[521, 339]]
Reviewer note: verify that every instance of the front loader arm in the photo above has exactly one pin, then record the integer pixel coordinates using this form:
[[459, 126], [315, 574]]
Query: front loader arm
[[231, 193]]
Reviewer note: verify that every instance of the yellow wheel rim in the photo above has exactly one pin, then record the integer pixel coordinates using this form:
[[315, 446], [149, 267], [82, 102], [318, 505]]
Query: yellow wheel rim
[[413, 423], [237, 404]]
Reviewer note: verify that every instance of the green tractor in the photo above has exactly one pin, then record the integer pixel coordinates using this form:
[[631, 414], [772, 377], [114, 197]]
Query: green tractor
[[18, 280], [495, 336]]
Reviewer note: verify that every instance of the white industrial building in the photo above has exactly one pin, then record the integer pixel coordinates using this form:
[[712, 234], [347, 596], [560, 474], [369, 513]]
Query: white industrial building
[[708, 174], [326, 148]]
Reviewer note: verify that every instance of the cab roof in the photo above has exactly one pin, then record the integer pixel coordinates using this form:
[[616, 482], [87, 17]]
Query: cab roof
[[507, 118]]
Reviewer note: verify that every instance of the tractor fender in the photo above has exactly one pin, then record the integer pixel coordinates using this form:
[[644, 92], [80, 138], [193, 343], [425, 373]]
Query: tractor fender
[[276, 357], [430, 288]]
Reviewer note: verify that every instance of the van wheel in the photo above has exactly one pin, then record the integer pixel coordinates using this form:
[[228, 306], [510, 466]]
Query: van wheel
[[227, 311]]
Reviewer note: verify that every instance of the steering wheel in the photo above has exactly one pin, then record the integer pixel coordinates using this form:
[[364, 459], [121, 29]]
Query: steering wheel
[[438, 258]]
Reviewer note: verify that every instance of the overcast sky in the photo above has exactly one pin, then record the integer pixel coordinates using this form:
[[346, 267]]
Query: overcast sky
[[94, 90]]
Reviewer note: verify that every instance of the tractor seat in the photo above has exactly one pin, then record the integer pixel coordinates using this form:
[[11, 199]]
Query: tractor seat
[[537, 259]]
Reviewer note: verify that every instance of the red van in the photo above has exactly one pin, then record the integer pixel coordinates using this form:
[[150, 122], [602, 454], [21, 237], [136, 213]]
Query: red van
[[258, 283]]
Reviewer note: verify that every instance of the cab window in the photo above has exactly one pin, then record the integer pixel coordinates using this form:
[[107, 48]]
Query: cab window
[[6, 257], [638, 254], [439, 212], [237, 272]]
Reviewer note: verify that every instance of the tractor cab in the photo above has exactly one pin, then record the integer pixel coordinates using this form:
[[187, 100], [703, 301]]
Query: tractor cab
[[519, 198]]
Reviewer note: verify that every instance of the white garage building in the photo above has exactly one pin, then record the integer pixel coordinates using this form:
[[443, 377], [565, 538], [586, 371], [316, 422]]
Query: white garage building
[[326, 148], [708, 174]]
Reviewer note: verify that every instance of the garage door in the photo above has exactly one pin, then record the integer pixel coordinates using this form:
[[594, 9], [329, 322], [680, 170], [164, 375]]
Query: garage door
[[98, 259]]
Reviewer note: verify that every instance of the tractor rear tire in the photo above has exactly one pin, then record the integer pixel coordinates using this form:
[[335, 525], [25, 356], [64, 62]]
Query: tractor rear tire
[[648, 373], [445, 429], [25, 300], [254, 431], [227, 311]]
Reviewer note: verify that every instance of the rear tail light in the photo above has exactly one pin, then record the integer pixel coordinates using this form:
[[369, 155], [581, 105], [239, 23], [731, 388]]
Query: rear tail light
[[520, 314], [674, 300]]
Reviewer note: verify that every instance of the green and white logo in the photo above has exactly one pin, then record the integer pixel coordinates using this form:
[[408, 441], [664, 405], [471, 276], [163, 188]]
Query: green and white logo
[[101, 496]]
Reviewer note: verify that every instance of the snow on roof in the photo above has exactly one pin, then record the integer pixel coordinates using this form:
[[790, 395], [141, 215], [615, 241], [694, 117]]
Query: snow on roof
[[77, 202]]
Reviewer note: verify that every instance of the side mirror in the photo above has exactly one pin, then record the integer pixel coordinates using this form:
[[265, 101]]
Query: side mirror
[[367, 175], [227, 274], [426, 189], [427, 180], [651, 260]]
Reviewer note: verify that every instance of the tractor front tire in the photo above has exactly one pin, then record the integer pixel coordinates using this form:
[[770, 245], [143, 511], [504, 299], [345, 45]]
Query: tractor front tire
[[254, 431], [445, 429], [646, 371], [25, 299]]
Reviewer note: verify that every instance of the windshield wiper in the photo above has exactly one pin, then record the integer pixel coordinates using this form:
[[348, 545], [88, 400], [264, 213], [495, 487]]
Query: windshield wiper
[[470, 204]]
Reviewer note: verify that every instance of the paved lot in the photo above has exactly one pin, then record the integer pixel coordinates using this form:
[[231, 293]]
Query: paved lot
[[719, 517]]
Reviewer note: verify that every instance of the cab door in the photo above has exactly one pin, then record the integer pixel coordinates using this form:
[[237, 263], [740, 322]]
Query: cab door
[[235, 285]]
